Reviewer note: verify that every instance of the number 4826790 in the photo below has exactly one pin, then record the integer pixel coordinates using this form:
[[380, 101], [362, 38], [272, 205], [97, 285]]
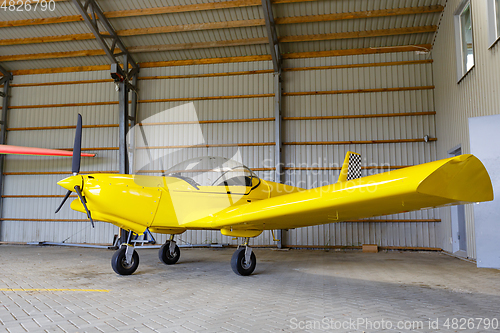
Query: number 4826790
[[28, 5]]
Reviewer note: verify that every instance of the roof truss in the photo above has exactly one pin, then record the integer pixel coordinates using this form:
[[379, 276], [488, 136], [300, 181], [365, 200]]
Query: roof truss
[[6, 76], [226, 43], [219, 25], [110, 42], [272, 35], [112, 46]]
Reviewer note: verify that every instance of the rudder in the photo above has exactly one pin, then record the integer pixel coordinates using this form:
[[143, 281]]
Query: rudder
[[351, 169]]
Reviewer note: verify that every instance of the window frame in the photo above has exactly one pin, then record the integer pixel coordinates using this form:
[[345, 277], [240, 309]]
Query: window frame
[[462, 70], [493, 22]]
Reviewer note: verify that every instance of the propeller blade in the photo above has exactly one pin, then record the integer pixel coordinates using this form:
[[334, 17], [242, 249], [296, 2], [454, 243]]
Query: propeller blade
[[77, 189], [77, 147], [64, 200]]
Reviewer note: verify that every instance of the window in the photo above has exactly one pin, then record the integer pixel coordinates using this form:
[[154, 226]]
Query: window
[[463, 39], [493, 21]]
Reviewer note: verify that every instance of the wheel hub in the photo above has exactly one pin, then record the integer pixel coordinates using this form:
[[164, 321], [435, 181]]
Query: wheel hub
[[246, 263], [127, 265]]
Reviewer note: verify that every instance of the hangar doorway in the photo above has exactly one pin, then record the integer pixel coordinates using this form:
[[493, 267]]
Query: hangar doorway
[[458, 229]]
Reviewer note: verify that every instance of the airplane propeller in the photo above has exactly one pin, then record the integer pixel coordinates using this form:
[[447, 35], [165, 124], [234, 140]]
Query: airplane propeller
[[75, 169], [64, 200], [77, 147]]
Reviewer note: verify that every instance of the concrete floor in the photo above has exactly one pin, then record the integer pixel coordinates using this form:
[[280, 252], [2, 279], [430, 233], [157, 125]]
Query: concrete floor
[[290, 291]]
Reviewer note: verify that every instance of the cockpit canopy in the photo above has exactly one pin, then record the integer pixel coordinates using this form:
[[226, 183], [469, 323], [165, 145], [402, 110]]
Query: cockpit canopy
[[213, 171]]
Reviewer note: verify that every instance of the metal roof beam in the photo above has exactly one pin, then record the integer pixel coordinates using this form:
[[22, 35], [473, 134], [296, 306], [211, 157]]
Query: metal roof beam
[[272, 35], [108, 39]]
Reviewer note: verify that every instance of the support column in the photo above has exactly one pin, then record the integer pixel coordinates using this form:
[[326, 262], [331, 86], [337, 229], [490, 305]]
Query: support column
[[276, 59], [5, 80], [278, 152], [133, 121], [122, 73], [123, 166], [279, 174]]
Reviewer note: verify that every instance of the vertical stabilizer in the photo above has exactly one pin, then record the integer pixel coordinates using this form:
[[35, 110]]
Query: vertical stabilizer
[[351, 169]]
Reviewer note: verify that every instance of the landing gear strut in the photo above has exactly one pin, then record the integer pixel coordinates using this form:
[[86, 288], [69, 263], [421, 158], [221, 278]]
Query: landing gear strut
[[169, 252], [125, 260], [243, 261]]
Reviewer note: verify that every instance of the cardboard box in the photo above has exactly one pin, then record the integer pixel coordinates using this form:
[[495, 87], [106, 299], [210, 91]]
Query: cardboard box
[[370, 248]]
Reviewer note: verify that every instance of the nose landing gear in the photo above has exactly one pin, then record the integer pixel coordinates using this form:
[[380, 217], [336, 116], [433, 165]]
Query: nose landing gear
[[125, 260]]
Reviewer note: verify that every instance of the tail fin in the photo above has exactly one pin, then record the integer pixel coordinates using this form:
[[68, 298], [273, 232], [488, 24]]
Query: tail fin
[[351, 169]]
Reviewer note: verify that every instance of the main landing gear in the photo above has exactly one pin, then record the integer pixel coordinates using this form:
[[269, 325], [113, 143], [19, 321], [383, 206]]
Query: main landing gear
[[243, 261], [126, 260]]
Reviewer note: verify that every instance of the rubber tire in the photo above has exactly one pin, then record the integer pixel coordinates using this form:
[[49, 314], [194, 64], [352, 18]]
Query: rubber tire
[[164, 254], [118, 261], [237, 263]]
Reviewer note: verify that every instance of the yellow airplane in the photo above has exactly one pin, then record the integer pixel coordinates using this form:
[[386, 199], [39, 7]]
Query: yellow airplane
[[213, 193]]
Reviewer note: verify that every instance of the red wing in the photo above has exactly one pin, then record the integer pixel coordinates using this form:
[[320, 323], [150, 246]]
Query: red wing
[[17, 150]]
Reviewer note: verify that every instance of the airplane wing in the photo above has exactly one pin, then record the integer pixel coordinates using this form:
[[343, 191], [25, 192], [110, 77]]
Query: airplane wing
[[18, 150], [457, 180]]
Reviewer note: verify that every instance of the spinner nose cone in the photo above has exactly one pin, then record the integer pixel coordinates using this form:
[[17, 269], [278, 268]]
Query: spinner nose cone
[[70, 182]]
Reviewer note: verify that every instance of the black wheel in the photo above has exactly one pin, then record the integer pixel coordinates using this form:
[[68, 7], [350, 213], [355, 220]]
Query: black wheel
[[240, 266], [166, 257], [120, 266]]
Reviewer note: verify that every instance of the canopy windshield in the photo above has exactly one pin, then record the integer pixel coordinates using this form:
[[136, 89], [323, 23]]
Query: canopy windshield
[[213, 171]]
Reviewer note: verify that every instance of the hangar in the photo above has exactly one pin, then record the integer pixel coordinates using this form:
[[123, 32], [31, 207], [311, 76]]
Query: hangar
[[286, 87]]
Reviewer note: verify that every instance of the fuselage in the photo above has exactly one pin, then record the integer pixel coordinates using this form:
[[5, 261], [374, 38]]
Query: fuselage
[[164, 204], [176, 204]]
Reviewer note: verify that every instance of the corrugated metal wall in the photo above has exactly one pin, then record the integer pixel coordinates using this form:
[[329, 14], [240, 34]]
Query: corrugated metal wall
[[30, 182], [407, 71], [215, 133], [361, 129], [475, 95]]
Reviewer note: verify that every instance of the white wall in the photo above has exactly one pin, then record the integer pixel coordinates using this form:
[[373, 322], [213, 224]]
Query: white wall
[[475, 95], [484, 145]]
